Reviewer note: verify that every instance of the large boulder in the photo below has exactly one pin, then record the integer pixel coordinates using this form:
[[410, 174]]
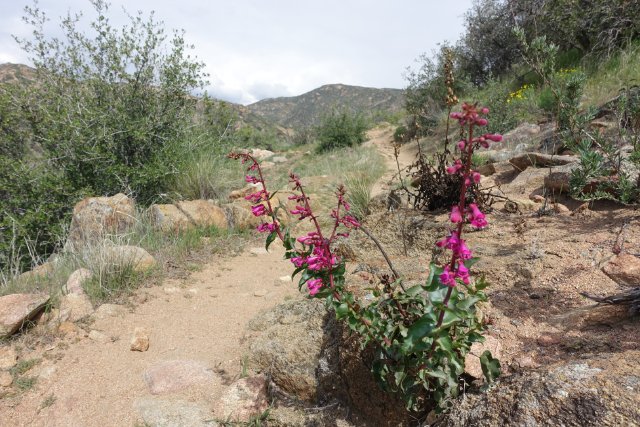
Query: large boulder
[[17, 309], [289, 345], [95, 217], [187, 214], [589, 393]]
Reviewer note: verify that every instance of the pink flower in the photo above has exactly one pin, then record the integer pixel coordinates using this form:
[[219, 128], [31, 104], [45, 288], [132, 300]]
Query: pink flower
[[350, 222], [476, 177], [257, 197], [482, 122], [252, 179], [314, 286], [462, 273], [298, 261], [455, 216], [462, 251], [461, 145], [484, 110], [476, 217], [495, 137], [449, 242], [266, 227], [258, 210], [301, 211], [447, 278], [457, 165], [313, 238]]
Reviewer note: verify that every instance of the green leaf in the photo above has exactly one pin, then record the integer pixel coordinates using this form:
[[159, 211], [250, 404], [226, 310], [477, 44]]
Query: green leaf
[[490, 366], [414, 290], [342, 311], [270, 238], [421, 328]]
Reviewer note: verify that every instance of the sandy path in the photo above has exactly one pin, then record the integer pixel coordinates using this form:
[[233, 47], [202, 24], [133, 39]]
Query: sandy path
[[202, 319], [382, 140]]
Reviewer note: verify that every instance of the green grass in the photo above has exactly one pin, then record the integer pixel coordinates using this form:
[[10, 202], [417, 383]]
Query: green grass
[[606, 79]]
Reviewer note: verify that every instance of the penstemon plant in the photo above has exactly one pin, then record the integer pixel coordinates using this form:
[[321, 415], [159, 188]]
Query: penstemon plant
[[422, 334]]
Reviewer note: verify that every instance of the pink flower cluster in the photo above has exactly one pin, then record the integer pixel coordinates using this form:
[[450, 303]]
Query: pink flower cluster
[[455, 270]]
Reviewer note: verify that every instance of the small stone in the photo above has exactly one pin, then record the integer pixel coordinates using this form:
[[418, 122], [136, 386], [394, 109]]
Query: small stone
[[192, 291], [8, 357], [624, 269], [561, 209], [243, 400], [171, 290], [537, 198], [285, 279], [109, 310], [547, 340], [174, 375], [5, 379], [260, 293], [526, 362], [140, 340], [99, 337]]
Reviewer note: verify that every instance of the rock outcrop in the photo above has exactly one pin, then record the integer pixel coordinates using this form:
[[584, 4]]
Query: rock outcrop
[[587, 393], [17, 309], [95, 217]]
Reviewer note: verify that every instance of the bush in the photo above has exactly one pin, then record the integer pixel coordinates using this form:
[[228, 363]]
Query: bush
[[339, 129], [110, 108]]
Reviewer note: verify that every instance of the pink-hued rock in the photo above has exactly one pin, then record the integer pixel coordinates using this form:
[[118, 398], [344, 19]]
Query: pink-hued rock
[[624, 269], [16, 309], [244, 399], [174, 375]]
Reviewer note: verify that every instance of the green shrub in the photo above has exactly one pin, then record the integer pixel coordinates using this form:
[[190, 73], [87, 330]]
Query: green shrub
[[111, 107], [339, 129]]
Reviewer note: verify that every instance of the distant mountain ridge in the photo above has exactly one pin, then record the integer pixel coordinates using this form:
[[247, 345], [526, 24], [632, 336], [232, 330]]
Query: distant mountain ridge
[[305, 110]]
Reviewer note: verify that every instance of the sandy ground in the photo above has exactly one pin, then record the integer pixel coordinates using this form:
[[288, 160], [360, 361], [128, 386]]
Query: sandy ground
[[202, 318]]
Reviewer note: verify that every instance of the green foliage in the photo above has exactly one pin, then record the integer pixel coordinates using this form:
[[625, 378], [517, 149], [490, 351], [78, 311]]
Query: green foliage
[[340, 129], [109, 112], [36, 202], [400, 134], [415, 356], [112, 106]]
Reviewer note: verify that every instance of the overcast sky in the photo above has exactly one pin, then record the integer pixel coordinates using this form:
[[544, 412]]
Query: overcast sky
[[256, 49]]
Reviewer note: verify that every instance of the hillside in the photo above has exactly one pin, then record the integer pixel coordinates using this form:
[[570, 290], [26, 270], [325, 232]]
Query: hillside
[[16, 73], [304, 110]]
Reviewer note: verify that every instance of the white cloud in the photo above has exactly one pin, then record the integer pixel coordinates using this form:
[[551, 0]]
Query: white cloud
[[255, 49]]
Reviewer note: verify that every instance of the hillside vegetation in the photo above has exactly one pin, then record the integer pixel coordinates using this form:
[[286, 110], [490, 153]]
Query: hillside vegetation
[[307, 109]]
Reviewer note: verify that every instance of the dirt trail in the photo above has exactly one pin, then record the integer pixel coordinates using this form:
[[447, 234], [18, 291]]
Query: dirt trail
[[382, 140], [201, 319]]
